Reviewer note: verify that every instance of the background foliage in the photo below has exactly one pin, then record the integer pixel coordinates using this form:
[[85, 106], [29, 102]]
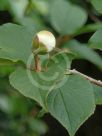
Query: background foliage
[[77, 26]]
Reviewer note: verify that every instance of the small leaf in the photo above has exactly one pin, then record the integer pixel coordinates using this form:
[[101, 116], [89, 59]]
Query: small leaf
[[89, 28], [98, 94], [73, 103], [37, 126], [96, 40], [97, 4], [18, 7], [67, 18], [82, 51]]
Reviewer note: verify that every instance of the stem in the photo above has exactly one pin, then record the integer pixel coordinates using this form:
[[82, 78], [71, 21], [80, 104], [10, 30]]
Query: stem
[[63, 39], [37, 63], [92, 80]]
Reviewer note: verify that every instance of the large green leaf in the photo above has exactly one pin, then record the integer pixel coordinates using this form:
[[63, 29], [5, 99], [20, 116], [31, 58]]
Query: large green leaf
[[15, 42], [82, 51], [67, 18], [97, 4], [98, 94], [73, 103], [96, 40], [36, 85], [20, 81]]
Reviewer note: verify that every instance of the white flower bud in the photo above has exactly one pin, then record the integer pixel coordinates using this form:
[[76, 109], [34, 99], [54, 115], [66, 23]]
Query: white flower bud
[[44, 41]]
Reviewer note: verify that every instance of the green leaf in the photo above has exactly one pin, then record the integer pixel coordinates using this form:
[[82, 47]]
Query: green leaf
[[21, 81], [5, 104], [4, 4], [36, 85], [89, 28], [98, 94], [42, 6], [82, 51], [15, 42], [18, 7], [37, 126], [79, 2], [96, 40], [32, 25], [73, 103], [97, 4], [67, 18]]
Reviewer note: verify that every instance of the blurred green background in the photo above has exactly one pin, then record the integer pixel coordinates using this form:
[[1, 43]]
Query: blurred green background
[[17, 113]]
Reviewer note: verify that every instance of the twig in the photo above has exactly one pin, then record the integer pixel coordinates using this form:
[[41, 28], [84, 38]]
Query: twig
[[92, 80], [37, 63], [92, 16]]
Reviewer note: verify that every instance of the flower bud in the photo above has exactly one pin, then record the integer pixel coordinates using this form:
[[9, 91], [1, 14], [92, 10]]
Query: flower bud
[[43, 42]]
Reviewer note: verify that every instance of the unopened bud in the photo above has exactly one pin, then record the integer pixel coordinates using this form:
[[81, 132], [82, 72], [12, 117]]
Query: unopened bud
[[44, 42]]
